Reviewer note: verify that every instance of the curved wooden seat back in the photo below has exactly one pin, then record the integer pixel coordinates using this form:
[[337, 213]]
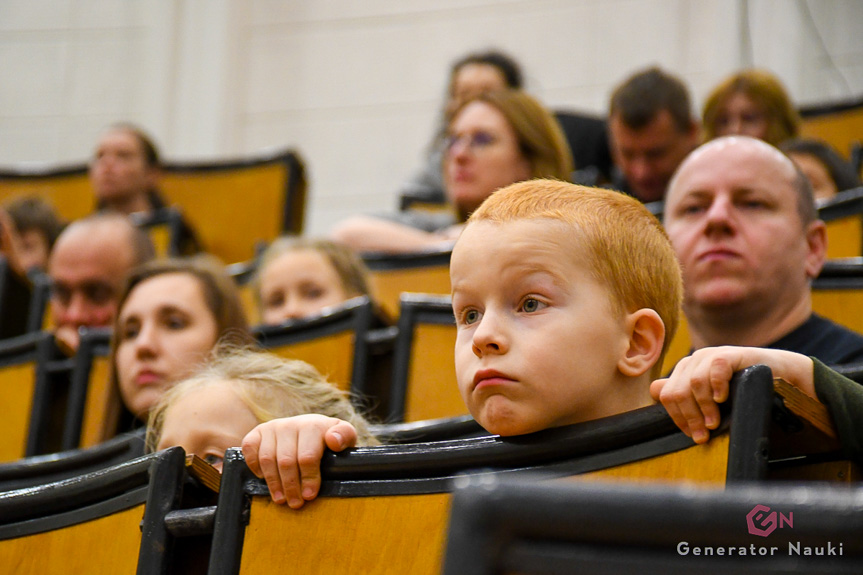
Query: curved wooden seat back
[[235, 205], [837, 293], [839, 124], [333, 342], [41, 469], [386, 506], [843, 215], [24, 393], [424, 383], [395, 274], [94, 407], [534, 527], [67, 189], [93, 523], [243, 274]]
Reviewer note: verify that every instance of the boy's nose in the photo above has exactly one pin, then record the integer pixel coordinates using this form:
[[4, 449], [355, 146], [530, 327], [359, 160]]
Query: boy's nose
[[489, 337]]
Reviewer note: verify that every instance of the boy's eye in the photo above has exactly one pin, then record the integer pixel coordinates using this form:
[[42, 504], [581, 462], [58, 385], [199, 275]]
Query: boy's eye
[[470, 316], [531, 305]]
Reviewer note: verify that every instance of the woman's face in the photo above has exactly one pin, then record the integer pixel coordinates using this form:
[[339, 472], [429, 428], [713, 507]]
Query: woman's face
[[741, 116], [297, 284], [483, 154], [165, 329], [207, 421], [822, 184]]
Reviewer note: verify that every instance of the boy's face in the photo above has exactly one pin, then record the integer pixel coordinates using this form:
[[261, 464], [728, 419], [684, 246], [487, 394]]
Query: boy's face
[[538, 342]]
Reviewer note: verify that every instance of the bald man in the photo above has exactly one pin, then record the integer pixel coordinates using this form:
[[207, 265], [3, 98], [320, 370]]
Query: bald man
[[743, 223], [87, 267]]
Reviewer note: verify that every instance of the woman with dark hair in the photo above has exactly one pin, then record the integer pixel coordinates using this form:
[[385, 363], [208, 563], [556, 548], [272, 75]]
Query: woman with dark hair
[[474, 73], [828, 173], [170, 315]]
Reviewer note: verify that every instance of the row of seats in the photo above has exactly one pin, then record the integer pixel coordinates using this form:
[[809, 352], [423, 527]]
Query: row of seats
[[232, 205], [390, 509], [407, 371]]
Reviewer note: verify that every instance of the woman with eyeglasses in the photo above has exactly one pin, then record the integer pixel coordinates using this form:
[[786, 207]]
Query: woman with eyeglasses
[[494, 139], [751, 103]]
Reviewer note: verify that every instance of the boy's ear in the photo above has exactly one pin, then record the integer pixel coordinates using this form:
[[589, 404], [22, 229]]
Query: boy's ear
[[646, 337]]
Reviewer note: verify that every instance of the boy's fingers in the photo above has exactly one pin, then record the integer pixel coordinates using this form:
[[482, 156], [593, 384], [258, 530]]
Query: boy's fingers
[[310, 450], [656, 388], [677, 417], [269, 459], [286, 474], [340, 436], [250, 445]]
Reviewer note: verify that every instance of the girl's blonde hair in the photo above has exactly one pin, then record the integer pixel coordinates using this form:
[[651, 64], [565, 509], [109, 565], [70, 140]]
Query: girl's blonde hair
[[270, 386]]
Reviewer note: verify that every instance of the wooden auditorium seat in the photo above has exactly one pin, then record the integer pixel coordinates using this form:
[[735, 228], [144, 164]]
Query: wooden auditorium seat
[[416, 272], [94, 406], [444, 428], [531, 527], [334, 342], [837, 293], [843, 215], [384, 509], [840, 124], [25, 393], [232, 205], [66, 188], [40, 469], [93, 523], [243, 274], [424, 384], [235, 205]]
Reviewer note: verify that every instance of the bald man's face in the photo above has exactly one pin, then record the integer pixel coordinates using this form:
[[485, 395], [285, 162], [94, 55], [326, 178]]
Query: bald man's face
[[87, 268], [732, 217]]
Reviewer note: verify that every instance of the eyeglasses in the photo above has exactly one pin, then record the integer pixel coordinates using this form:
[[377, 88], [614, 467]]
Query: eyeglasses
[[475, 142]]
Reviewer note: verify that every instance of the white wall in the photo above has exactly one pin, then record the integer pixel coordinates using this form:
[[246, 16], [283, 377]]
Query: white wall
[[356, 86]]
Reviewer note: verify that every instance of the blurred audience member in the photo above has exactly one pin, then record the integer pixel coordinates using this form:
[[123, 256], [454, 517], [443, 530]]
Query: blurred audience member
[[475, 73], [125, 173], [29, 227], [87, 267], [651, 130], [236, 390], [751, 103], [494, 139], [827, 171], [300, 277]]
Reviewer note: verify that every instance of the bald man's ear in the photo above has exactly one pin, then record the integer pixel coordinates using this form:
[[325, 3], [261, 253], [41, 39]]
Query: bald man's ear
[[646, 337], [816, 241]]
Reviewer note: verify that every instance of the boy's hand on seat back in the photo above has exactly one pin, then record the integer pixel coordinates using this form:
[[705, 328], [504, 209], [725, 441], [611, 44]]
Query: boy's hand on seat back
[[700, 382], [287, 454]]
